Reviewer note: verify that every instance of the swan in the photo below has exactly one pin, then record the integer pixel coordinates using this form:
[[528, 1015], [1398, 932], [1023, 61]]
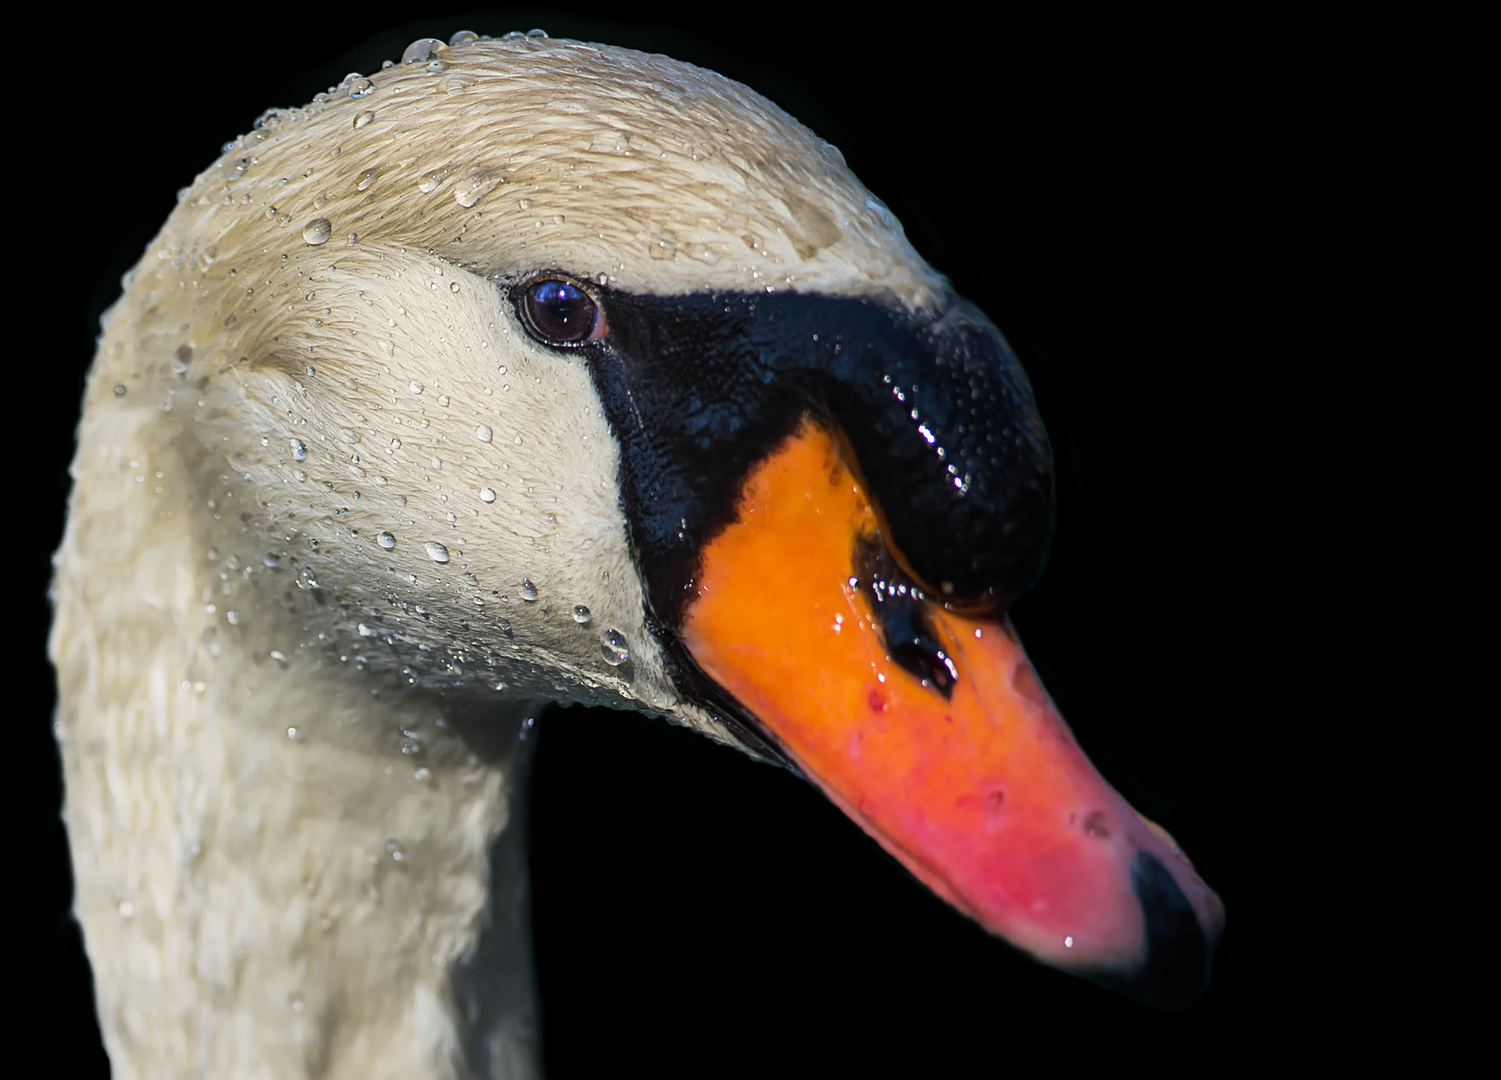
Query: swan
[[355, 486]]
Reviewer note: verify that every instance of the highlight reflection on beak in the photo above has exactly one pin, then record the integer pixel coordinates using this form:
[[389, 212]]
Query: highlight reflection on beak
[[929, 727]]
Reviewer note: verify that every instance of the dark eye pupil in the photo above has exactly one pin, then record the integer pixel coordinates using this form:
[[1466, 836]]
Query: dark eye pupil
[[560, 311]]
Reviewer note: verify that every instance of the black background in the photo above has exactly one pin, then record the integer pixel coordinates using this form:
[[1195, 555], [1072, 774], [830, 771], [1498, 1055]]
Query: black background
[[1112, 194]]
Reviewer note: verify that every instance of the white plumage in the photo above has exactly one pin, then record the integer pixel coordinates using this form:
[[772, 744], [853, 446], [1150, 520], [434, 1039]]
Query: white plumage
[[126, 905], [322, 473]]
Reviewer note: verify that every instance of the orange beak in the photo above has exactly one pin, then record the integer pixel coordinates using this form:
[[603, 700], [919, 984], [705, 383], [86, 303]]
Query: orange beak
[[971, 778]]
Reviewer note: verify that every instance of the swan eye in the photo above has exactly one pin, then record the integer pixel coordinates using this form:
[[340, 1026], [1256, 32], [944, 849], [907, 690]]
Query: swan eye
[[561, 313]]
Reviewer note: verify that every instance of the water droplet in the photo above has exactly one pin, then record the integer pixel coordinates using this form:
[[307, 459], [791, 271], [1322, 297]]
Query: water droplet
[[295, 1001], [421, 774], [415, 387], [366, 179], [436, 552], [299, 450], [581, 614], [462, 37], [232, 617], [125, 908], [615, 648], [528, 590], [424, 51], [473, 187], [363, 119], [484, 433], [295, 734], [487, 495], [505, 627], [359, 87], [611, 141], [386, 540], [387, 347], [443, 400], [410, 745], [393, 849], [536, 33], [317, 231]]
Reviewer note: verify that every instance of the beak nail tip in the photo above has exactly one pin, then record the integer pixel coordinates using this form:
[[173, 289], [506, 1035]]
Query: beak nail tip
[[1176, 969]]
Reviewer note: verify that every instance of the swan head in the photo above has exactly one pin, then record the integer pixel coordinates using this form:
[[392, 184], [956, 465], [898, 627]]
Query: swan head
[[542, 369]]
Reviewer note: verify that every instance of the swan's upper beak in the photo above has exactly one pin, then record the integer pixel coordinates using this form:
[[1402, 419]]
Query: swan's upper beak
[[969, 776]]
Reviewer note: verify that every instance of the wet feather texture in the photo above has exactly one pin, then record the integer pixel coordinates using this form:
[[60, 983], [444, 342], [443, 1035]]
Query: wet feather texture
[[599, 953]]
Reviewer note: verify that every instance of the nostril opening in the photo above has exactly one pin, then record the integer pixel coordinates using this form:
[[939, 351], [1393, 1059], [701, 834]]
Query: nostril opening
[[920, 655], [898, 606]]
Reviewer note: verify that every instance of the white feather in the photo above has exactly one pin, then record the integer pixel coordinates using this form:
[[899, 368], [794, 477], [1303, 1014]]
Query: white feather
[[318, 461]]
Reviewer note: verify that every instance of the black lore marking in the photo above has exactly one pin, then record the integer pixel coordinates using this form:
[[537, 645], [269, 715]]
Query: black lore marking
[[700, 389]]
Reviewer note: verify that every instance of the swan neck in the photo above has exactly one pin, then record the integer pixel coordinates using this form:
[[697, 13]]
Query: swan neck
[[284, 866]]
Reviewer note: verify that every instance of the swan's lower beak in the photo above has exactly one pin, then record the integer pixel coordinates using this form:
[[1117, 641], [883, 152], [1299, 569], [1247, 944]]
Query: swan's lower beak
[[955, 760]]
